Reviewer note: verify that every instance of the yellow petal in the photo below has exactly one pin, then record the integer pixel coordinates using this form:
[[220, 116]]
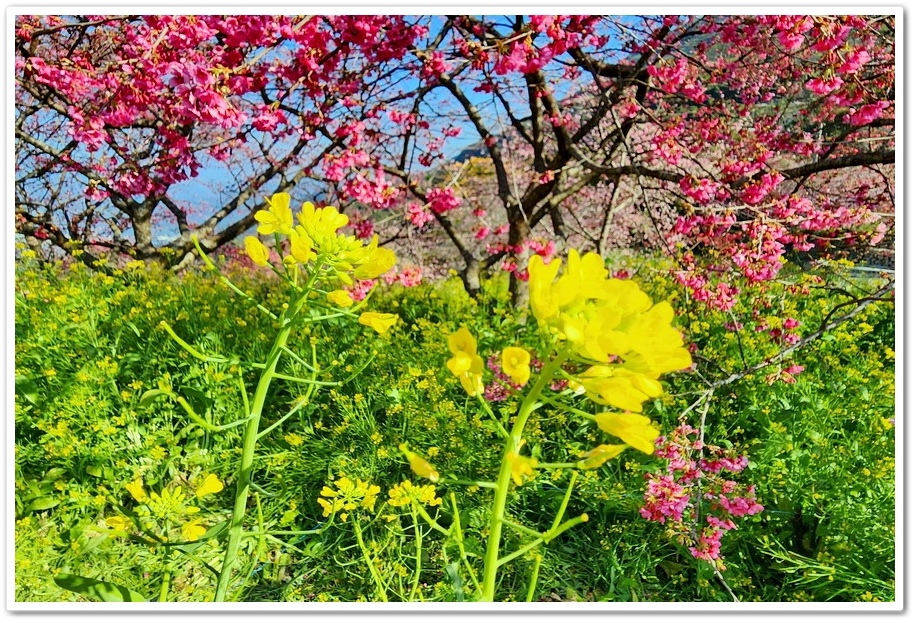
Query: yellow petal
[[420, 466], [118, 523], [378, 321], [459, 364], [301, 248], [256, 251], [341, 298], [462, 342], [211, 484], [379, 262], [634, 429], [472, 383], [136, 490], [596, 457], [516, 364], [192, 530]]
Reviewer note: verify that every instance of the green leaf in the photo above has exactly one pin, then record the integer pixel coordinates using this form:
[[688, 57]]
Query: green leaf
[[452, 570], [26, 388], [198, 400], [42, 504], [151, 395], [97, 589]]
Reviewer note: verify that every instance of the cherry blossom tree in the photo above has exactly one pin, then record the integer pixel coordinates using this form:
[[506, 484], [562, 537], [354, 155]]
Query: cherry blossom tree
[[733, 142]]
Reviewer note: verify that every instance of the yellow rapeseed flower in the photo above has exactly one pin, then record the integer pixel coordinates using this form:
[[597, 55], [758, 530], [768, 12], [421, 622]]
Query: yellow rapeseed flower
[[136, 490], [420, 466], [618, 387], [374, 261], [210, 484], [516, 364], [321, 225], [466, 364], [340, 298], [256, 251], [192, 530], [300, 247], [632, 428], [596, 457], [380, 322], [278, 218], [348, 495], [404, 493], [119, 524], [602, 317], [522, 466]]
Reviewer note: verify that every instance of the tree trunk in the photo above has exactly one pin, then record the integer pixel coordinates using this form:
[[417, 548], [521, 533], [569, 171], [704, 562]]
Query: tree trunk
[[519, 232], [470, 276]]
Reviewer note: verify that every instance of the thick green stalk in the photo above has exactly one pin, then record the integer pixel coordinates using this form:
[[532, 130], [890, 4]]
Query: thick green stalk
[[249, 443], [513, 443], [379, 584]]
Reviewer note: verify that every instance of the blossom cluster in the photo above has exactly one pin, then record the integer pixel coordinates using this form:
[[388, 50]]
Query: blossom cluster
[[603, 321], [315, 242], [697, 480], [167, 507], [346, 496]]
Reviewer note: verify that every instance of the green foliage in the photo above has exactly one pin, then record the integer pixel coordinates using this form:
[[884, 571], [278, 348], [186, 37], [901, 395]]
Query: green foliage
[[92, 414]]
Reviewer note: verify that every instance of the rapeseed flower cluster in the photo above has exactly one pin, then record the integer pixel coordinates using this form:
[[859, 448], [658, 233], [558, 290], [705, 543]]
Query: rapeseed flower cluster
[[316, 242], [168, 507], [625, 341], [316, 239], [406, 492], [346, 496]]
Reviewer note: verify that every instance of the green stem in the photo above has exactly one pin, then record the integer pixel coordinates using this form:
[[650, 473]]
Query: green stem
[[299, 404], [167, 574], [418, 537], [522, 529], [249, 443], [544, 538], [565, 407], [486, 407], [226, 280], [460, 540], [417, 508], [380, 586], [513, 443], [533, 582], [193, 351], [565, 503]]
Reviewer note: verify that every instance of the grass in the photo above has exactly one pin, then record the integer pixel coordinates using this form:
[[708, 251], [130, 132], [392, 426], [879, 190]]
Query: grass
[[89, 346]]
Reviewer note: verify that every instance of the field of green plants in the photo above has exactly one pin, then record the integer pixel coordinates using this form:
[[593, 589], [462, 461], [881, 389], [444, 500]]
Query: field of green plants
[[383, 465]]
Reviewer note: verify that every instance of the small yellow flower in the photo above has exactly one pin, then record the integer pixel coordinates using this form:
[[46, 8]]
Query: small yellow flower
[[378, 321], [420, 466], [192, 530], [293, 439], [300, 246], [634, 429], [402, 494], [516, 364], [278, 218], [522, 466], [256, 251], [466, 364], [341, 298], [348, 496], [211, 484], [136, 490], [596, 457], [119, 524], [375, 262]]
